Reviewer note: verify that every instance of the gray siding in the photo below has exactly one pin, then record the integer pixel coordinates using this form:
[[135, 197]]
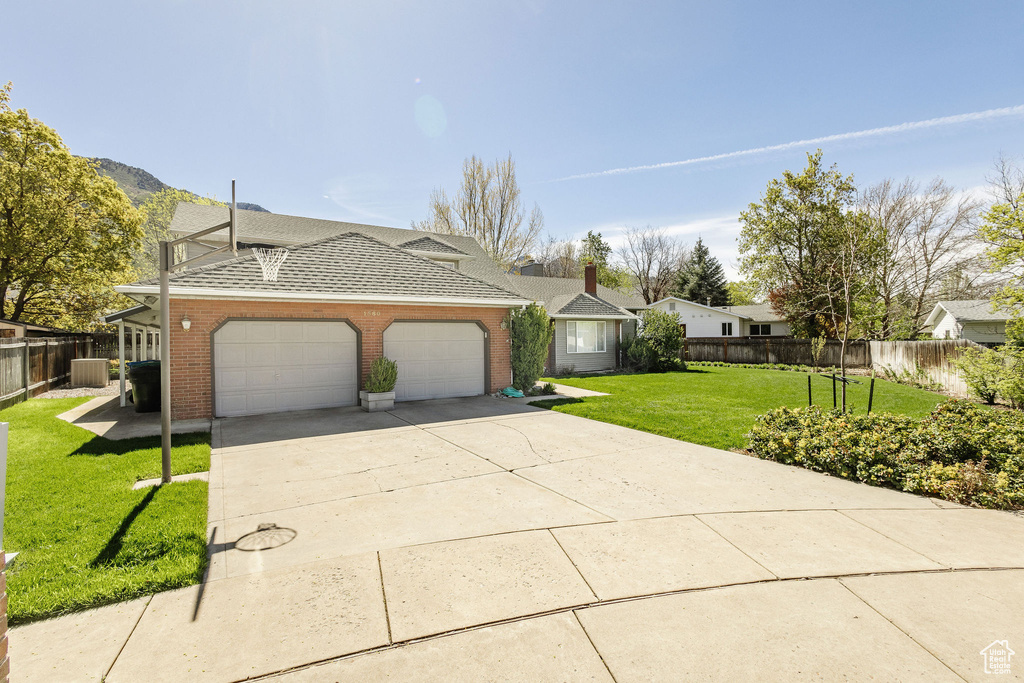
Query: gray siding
[[584, 362]]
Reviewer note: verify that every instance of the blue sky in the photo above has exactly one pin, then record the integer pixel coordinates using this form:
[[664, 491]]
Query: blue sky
[[355, 111]]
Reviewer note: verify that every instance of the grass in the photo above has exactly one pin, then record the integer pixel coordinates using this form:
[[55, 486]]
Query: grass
[[85, 538], [716, 406]]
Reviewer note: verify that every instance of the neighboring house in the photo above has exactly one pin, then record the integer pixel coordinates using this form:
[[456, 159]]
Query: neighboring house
[[589, 319], [345, 295], [972, 319], [14, 328], [761, 321], [698, 320]]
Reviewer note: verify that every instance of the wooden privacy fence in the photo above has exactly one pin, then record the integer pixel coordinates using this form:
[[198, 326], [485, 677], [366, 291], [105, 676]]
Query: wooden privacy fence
[[775, 350], [31, 366], [934, 359]]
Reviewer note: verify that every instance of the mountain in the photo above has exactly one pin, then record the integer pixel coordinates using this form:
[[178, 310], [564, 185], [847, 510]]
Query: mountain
[[138, 183]]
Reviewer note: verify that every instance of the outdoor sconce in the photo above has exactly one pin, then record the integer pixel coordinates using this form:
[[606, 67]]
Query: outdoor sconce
[[185, 323]]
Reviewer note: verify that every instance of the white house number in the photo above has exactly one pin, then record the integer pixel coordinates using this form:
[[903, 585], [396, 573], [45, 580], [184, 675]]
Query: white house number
[[372, 314]]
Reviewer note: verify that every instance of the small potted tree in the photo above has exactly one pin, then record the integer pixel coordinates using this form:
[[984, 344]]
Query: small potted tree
[[379, 391]]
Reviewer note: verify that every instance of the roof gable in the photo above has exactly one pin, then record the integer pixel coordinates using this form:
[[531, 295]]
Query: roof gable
[[282, 230], [351, 264], [429, 244], [585, 306], [701, 307], [546, 289]]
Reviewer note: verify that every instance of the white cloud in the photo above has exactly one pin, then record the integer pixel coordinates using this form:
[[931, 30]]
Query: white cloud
[[959, 119]]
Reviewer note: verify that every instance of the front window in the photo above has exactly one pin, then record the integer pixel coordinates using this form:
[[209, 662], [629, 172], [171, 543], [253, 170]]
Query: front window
[[726, 329], [760, 330], [584, 336]]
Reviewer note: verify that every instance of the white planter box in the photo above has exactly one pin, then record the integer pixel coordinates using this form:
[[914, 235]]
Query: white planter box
[[373, 402]]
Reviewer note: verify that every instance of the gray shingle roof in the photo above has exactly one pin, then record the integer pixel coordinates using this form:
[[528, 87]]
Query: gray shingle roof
[[430, 244], [279, 229], [974, 310], [351, 264], [549, 288], [583, 305], [756, 312]]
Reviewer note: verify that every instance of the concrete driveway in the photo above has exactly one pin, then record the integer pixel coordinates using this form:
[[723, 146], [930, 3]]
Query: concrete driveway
[[478, 539]]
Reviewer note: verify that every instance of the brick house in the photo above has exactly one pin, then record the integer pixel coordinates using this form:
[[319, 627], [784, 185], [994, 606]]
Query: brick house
[[244, 344]]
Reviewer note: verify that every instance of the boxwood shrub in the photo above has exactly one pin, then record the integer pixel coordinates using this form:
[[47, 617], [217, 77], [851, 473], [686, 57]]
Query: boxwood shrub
[[961, 452]]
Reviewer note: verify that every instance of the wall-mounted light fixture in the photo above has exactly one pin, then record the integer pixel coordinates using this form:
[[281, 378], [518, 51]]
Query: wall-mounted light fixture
[[185, 323]]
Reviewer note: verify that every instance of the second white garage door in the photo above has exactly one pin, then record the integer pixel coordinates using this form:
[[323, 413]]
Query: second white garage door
[[268, 366], [436, 359]]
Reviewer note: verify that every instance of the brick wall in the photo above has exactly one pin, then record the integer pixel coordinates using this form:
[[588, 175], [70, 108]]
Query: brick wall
[[191, 378]]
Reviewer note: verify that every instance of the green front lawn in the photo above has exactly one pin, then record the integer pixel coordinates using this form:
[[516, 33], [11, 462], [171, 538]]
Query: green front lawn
[[716, 406], [85, 538]]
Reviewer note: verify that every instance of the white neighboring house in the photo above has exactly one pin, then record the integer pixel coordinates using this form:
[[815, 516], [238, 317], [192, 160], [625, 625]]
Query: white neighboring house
[[729, 321], [972, 319], [764, 322], [699, 320]]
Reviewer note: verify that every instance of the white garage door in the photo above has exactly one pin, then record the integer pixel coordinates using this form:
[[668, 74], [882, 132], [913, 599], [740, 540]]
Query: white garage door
[[436, 360], [270, 366]]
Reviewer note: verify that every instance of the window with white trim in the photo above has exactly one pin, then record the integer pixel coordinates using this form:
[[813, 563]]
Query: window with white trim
[[726, 329], [584, 336], [764, 330]]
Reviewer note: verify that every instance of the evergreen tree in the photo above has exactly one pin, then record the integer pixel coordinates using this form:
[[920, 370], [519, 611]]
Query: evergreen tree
[[702, 277]]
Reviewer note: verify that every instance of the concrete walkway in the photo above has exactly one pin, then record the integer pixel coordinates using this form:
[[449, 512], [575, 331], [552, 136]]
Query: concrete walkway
[[105, 417], [480, 539]]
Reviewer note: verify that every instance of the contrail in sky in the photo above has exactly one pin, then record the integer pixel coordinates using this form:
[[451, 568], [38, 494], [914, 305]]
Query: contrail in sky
[[855, 135]]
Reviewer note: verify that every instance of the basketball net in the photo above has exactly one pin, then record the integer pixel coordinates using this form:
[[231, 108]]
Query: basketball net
[[270, 261]]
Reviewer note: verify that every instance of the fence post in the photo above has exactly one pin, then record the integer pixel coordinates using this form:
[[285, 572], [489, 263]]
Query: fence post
[[28, 368], [725, 350], [767, 354], [46, 364]]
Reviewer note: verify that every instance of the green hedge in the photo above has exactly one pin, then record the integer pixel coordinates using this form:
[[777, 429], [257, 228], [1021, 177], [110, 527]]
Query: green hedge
[[961, 452]]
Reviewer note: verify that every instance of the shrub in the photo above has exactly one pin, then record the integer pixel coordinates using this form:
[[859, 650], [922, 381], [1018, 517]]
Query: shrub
[[982, 370], [960, 452], [1011, 383], [655, 348], [548, 389], [531, 332], [383, 376]]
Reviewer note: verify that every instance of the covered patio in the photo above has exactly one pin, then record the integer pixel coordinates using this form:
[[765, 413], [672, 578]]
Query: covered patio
[[143, 324]]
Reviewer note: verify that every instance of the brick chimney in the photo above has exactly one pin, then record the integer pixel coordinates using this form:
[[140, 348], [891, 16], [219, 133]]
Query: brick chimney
[[590, 279]]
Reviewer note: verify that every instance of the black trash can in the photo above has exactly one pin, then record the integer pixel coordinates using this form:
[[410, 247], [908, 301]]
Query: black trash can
[[145, 379]]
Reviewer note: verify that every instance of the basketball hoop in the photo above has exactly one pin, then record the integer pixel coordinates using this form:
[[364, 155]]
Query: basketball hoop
[[270, 261]]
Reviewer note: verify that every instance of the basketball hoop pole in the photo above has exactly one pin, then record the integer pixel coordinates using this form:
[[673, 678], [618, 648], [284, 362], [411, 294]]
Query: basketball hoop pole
[[166, 263]]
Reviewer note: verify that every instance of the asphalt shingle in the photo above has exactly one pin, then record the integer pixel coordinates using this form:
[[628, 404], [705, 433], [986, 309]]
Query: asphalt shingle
[[431, 245], [351, 263]]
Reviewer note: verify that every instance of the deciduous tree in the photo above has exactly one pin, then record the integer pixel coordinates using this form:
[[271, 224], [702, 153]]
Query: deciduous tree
[[67, 234], [489, 209], [790, 240], [653, 260], [926, 235]]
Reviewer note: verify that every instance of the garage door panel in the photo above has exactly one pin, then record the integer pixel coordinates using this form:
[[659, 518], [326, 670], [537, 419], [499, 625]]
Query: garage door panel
[[274, 366], [229, 356], [436, 360]]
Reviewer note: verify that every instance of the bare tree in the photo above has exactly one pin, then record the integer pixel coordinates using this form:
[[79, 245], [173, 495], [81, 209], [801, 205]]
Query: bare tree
[[1007, 182], [653, 259], [560, 257], [925, 240], [487, 208]]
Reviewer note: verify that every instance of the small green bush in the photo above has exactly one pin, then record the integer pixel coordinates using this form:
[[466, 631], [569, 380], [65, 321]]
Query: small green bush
[[982, 369], [960, 452], [383, 376], [548, 389], [531, 332], [656, 346]]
